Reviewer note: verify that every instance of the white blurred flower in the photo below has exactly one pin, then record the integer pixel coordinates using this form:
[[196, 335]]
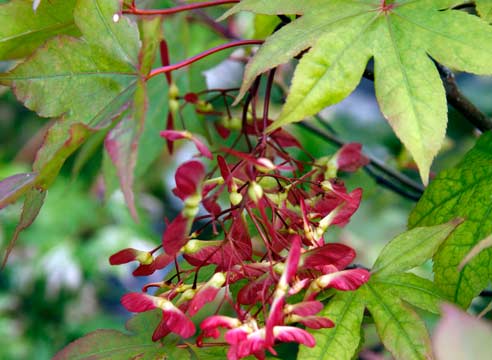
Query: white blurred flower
[[61, 269], [35, 4]]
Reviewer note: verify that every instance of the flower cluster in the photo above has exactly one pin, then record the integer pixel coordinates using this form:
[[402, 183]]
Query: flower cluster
[[268, 214]]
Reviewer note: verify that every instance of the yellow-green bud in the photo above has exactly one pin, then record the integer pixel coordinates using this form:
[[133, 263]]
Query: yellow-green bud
[[235, 198], [173, 92], [255, 191], [173, 105], [144, 258]]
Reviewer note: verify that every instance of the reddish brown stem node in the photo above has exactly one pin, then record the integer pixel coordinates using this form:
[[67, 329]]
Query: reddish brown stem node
[[177, 9], [179, 65]]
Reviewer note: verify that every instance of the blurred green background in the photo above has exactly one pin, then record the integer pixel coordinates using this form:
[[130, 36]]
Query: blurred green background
[[58, 284]]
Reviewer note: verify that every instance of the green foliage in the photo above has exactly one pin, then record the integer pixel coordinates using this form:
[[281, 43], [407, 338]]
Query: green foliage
[[401, 330], [344, 35], [20, 38], [461, 191], [86, 64], [346, 310], [484, 9], [111, 344], [411, 249], [93, 80]]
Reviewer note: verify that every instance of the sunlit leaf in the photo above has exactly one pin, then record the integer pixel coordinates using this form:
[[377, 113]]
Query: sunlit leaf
[[484, 9], [402, 36], [482, 245], [412, 249]]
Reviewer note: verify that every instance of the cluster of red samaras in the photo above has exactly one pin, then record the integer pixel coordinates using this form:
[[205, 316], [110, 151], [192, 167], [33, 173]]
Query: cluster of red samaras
[[268, 214]]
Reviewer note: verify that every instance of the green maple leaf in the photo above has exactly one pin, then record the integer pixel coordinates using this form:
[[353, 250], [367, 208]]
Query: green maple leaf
[[116, 345], [401, 36], [463, 191], [87, 83], [23, 29], [387, 295], [484, 9]]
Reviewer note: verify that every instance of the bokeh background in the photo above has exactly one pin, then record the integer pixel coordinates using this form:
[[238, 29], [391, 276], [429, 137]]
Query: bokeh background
[[58, 284]]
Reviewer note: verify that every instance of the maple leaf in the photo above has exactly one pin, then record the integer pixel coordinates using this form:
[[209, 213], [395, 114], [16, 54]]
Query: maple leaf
[[21, 38], [484, 9], [134, 344], [386, 295], [93, 80], [463, 191], [403, 38]]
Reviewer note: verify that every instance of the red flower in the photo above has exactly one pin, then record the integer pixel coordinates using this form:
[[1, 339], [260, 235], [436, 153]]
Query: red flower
[[345, 280], [209, 325], [173, 319], [304, 312], [248, 339], [129, 254], [189, 177], [350, 158], [231, 251], [337, 199], [176, 235], [173, 135], [276, 316], [338, 255], [206, 293], [147, 262], [160, 262]]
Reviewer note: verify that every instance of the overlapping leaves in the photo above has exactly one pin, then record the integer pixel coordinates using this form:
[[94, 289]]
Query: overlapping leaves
[[115, 345], [87, 83], [387, 295], [463, 191], [403, 38]]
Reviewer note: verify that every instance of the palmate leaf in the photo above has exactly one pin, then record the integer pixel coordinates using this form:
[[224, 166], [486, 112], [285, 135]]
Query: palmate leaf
[[386, 295], [463, 191], [411, 249], [23, 29], [402, 332], [402, 37], [346, 310], [86, 82], [115, 345]]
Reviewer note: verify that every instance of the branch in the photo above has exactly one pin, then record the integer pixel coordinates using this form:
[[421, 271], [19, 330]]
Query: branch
[[222, 30], [455, 98], [169, 11], [415, 188], [461, 102], [191, 60]]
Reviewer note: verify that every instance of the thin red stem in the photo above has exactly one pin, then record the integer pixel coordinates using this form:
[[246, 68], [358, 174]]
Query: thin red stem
[[191, 60], [177, 9]]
